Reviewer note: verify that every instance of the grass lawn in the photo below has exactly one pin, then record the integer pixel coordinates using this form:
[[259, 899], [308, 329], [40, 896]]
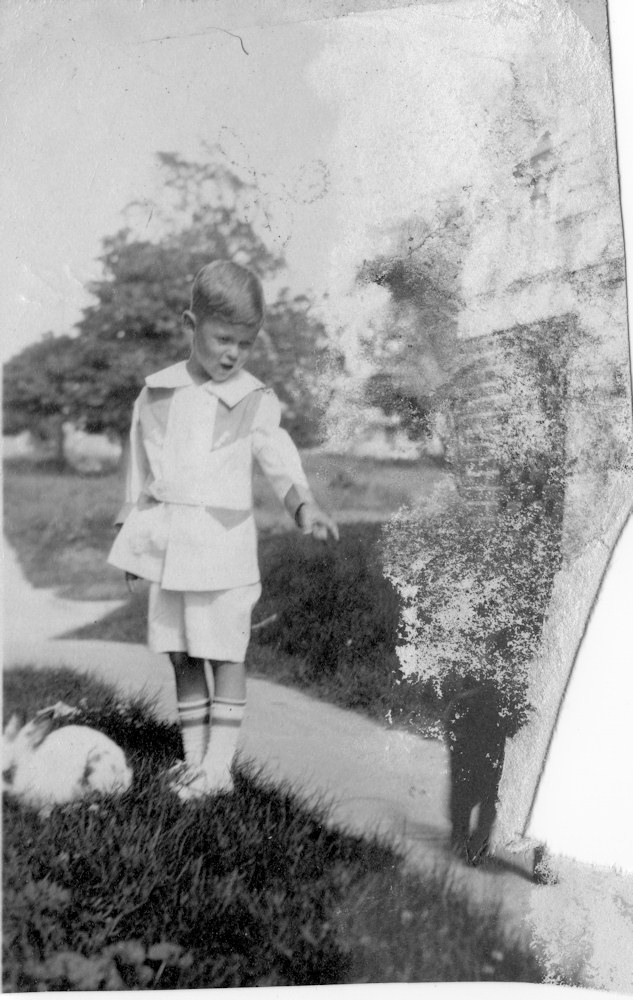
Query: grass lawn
[[61, 522], [337, 618], [251, 888]]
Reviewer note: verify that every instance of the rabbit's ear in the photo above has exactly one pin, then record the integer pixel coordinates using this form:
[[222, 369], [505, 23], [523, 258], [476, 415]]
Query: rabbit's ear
[[60, 710], [12, 728], [36, 731]]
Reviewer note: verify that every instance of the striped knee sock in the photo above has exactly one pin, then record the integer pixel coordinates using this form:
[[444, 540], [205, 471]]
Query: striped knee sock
[[226, 719], [194, 726]]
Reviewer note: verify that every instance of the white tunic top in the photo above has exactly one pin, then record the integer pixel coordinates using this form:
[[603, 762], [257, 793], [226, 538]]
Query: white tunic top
[[188, 517]]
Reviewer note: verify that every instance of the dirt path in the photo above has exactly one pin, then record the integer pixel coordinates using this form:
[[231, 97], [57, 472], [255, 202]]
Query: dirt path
[[375, 778]]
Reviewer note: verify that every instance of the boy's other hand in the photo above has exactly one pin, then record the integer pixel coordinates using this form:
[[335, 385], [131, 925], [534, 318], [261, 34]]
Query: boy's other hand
[[129, 580], [314, 521]]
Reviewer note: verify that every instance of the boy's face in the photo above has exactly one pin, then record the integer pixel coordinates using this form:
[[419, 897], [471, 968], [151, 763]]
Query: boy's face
[[219, 349]]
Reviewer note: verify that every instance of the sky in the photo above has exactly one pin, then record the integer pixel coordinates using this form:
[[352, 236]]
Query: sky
[[90, 99], [343, 123]]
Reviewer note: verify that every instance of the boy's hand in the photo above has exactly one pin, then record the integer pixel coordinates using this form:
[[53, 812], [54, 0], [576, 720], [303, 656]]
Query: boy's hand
[[129, 580], [314, 521]]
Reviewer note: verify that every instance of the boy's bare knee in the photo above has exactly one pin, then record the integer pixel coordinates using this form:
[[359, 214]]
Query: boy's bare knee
[[229, 679], [183, 663]]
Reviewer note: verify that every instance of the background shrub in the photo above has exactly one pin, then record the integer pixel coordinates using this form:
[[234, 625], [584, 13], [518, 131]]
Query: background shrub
[[334, 606]]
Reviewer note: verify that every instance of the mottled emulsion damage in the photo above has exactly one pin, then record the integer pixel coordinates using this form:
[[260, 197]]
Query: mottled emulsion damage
[[498, 308]]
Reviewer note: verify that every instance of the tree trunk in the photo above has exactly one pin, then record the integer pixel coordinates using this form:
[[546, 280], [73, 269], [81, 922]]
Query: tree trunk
[[58, 438]]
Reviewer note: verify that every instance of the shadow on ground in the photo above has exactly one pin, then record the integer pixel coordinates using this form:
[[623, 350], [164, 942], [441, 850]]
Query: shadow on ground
[[125, 624]]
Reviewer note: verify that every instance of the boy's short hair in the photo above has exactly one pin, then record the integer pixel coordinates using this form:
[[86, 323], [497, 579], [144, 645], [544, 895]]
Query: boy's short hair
[[230, 292]]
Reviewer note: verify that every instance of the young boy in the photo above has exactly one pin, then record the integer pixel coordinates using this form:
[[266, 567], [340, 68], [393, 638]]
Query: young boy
[[187, 524]]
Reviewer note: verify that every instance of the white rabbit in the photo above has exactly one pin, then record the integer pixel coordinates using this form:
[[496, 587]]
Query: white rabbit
[[44, 768]]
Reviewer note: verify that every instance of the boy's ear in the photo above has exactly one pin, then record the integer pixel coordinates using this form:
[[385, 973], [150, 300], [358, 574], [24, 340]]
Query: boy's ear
[[188, 327], [189, 321]]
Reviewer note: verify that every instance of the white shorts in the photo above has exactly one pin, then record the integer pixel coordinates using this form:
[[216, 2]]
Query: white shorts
[[209, 624]]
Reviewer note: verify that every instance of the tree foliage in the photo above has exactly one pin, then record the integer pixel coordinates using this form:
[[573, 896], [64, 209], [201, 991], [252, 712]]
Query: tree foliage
[[41, 389], [413, 349], [134, 326]]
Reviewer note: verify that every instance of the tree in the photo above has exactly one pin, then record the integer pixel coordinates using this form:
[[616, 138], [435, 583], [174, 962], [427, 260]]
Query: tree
[[414, 350], [134, 326], [145, 286], [291, 355], [38, 386]]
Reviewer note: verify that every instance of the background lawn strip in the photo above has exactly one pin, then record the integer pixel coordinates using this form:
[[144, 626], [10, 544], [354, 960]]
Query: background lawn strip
[[61, 522]]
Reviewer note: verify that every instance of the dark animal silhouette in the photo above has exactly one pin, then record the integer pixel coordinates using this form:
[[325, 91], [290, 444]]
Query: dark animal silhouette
[[477, 730]]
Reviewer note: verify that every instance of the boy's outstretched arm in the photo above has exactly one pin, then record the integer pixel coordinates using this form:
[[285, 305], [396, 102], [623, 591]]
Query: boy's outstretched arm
[[308, 516], [281, 464]]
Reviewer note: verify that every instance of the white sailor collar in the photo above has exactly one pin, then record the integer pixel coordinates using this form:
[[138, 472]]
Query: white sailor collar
[[230, 392]]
